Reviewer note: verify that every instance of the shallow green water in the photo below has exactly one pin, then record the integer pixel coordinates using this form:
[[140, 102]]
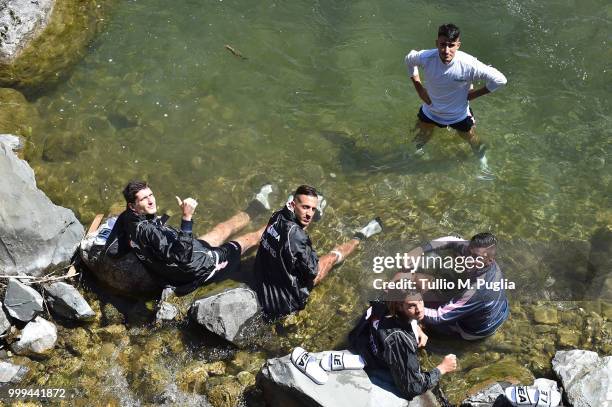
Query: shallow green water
[[323, 98]]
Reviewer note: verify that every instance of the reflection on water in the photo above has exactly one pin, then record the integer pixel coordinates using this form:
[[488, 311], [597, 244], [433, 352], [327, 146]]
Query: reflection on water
[[323, 98]]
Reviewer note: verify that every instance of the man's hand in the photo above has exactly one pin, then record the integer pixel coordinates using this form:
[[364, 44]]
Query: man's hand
[[474, 93], [188, 207], [449, 364], [422, 337], [420, 89]]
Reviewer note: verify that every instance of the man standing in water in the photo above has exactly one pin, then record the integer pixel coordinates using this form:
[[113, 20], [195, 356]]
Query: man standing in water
[[176, 256], [448, 89], [287, 267]]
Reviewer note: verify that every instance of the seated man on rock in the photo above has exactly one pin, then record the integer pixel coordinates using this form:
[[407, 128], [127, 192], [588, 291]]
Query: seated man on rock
[[387, 338], [287, 267], [481, 307], [176, 257]]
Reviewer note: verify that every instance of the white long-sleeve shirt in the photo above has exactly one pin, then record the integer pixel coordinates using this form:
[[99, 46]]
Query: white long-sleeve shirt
[[448, 84]]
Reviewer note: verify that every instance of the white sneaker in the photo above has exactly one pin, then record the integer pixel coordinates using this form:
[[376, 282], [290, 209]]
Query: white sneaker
[[375, 226], [263, 196]]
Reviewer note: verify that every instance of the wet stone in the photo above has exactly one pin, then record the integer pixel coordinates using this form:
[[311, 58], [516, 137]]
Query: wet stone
[[545, 315], [22, 301], [544, 329], [67, 302], [567, 337], [38, 337], [11, 373]]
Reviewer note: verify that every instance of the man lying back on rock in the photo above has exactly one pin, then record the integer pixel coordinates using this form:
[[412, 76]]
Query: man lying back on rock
[[287, 266], [176, 256]]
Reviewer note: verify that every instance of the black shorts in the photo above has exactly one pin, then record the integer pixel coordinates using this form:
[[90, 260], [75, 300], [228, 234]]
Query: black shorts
[[464, 125], [227, 256]]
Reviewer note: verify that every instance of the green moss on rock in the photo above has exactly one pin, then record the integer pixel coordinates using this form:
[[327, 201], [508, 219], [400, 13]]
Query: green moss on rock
[[17, 115], [49, 55]]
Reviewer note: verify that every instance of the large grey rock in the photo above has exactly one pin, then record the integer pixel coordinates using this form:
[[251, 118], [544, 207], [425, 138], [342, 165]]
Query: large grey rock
[[22, 301], [12, 141], [67, 302], [226, 314], [283, 385], [37, 338], [586, 377], [10, 373], [166, 312], [5, 324], [20, 21], [485, 397], [125, 276], [34, 233]]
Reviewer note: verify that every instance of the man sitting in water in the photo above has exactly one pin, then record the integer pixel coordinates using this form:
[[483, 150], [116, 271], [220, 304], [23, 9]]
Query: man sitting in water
[[387, 338], [448, 89], [175, 256], [286, 266], [476, 312]]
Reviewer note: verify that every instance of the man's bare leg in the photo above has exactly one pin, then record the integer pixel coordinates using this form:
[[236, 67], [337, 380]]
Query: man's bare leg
[[339, 253], [424, 133], [478, 148], [327, 261], [221, 232], [249, 240]]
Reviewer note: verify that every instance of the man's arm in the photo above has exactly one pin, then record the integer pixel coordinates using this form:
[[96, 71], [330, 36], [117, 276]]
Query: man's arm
[[493, 78], [413, 60], [400, 355]]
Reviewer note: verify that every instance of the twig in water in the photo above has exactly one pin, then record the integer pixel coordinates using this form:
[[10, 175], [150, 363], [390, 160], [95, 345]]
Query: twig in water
[[235, 51]]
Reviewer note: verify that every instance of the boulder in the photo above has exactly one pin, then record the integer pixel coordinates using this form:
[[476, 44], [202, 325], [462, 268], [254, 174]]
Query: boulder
[[10, 373], [5, 324], [283, 385], [17, 116], [37, 338], [21, 301], [125, 276], [486, 397], [166, 312], [36, 234], [227, 314], [34, 45], [67, 302], [11, 141], [586, 377]]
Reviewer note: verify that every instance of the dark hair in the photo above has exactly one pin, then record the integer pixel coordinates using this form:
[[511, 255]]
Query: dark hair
[[132, 188], [306, 190], [395, 298], [450, 31], [484, 240]]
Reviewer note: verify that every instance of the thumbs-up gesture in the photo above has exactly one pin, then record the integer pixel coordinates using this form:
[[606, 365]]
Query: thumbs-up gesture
[[187, 206]]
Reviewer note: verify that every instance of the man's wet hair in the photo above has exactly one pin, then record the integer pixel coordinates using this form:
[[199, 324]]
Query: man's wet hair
[[394, 299], [450, 31], [484, 239], [306, 190], [132, 188]]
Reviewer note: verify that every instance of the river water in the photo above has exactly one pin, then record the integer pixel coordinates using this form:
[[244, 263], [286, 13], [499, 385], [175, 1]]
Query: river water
[[321, 96]]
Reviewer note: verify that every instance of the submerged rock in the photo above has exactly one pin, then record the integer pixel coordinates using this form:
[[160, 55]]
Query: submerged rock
[[21, 301], [285, 386], [124, 276], [37, 338], [10, 373], [12, 141], [586, 377], [43, 39], [17, 115], [36, 234], [67, 302], [5, 324], [226, 314]]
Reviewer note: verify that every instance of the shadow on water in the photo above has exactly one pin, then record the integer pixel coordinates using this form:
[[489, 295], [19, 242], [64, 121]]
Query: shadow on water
[[363, 162]]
